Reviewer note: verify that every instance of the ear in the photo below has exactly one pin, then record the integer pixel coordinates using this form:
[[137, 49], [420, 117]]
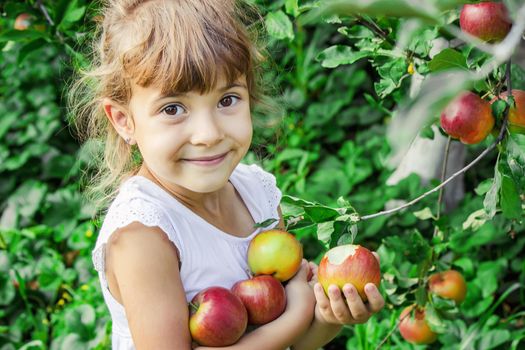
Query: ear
[[120, 118]]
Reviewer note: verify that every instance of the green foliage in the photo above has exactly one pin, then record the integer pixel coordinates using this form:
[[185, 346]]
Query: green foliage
[[345, 69]]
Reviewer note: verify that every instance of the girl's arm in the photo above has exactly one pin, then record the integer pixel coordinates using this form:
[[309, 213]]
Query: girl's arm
[[336, 310], [143, 265], [287, 328]]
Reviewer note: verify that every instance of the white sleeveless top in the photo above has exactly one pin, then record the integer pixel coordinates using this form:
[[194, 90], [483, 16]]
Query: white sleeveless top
[[209, 256]]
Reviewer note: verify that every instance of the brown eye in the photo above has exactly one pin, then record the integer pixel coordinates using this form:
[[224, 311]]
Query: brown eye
[[173, 110], [228, 101]]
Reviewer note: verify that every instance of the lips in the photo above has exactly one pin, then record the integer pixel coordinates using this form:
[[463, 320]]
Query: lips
[[207, 160]]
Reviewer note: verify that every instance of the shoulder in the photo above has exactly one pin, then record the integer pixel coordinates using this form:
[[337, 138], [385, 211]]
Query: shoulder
[[254, 173], [137, 242], [134, 206], [258, 188], [135, 202]]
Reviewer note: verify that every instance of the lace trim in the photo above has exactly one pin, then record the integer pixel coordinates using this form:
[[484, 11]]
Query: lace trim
[[270, 187], [123, 214]]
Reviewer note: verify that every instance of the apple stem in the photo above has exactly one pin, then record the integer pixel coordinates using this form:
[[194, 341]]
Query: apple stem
[[193, 306], [380, 345]]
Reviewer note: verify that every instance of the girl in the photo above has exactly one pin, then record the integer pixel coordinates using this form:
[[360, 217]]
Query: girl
[[170, 96]]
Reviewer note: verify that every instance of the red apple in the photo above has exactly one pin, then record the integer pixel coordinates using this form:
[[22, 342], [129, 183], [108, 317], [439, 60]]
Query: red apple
[[414, 328], [517, 113], [488, 20], [349, 264], [217, 317], [275, 252], [263, 296], [23, 21], [449, 285], [468, 118]]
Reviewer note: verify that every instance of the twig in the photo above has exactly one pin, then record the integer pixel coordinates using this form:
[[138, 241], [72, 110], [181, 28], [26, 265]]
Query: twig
[[378, 31], [391, 331], [443, 175], [48, 18], [500, 137]]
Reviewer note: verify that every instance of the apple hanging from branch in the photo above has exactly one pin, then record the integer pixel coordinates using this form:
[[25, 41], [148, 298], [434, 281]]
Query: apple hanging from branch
[[488, 21], [517, 112], [413, 326], [449, 285], [468, 118]]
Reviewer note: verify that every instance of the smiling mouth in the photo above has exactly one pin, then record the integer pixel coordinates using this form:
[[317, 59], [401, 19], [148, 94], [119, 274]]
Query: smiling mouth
[[207, 160]]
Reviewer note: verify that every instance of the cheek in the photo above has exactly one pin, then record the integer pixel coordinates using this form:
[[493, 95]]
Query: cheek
[[243, 130]]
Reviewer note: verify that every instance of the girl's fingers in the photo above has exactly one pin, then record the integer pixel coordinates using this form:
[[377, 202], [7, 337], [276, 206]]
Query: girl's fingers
[[322, 302], [313, 273], [356, 305], [375, 299], [377, 257], [338, 305]]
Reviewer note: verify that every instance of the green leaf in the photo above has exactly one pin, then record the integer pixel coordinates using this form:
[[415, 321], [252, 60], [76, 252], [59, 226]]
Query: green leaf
[[21, 35], [510, 200], [434, 319], [475, 220], [424, 214], [483, 187], [389, 8], [491, 198], [412, 246], [498, 107], [265, 223], [292, 7], [448, 59], [324, 231], [493, 338], [320, 213], [337, 55], [279, 25]]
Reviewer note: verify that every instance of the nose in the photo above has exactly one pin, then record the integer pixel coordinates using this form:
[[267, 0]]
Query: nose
[[206, 129]]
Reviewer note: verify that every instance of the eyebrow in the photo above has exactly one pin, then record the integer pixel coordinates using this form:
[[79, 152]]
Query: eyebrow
[[222, 89]]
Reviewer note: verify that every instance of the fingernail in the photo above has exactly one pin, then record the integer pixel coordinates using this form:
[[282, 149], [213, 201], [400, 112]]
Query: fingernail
[[370, 288], [349, 291]]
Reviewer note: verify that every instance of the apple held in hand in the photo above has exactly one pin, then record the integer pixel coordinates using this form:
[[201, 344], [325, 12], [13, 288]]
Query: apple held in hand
[[489, 21], [217, 317], [414, 328], [349, 264], [449, 285], [275, 252], [516, 113], [263, 296], [468, 118]]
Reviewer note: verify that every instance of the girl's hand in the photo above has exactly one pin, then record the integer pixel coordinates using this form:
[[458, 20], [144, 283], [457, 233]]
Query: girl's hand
[[348, 307], [298, 292]]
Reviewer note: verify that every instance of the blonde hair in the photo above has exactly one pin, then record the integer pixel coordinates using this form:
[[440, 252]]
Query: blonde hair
[[174, 45]]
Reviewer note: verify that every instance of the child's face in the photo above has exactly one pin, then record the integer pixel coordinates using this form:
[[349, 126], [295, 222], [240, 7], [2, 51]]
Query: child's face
[[191, 140]]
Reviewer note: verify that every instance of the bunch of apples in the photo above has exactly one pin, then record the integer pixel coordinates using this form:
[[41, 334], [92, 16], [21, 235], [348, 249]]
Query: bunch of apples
[[468, 117], [413, 326], [220, 316]]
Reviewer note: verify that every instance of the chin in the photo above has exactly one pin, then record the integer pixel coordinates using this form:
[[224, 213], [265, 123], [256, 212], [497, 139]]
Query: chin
[[207, 184]]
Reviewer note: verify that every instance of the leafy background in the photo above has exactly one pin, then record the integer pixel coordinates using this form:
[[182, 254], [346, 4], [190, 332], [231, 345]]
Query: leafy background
[[344, 81]]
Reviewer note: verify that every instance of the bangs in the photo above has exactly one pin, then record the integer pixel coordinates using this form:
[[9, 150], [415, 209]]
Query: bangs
[[181, 46]]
